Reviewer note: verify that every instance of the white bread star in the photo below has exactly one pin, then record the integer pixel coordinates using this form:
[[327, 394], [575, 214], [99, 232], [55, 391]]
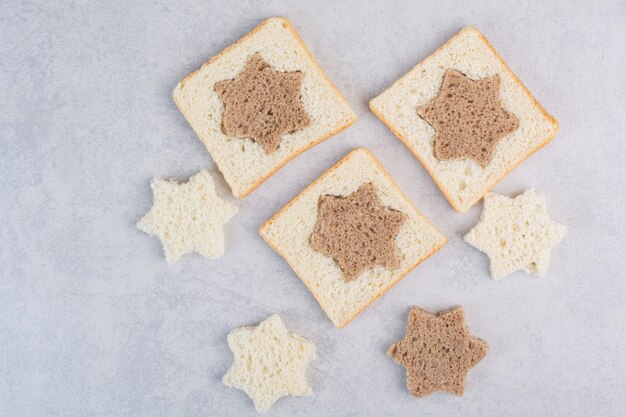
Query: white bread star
[[516, 233], [188, 217], [270, 362]]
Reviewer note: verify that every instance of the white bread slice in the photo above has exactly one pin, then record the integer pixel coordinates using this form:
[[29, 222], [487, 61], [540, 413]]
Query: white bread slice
[[188, 217], [464, 182], [288, 233], [270, 362], [516, 233], [243, 162]]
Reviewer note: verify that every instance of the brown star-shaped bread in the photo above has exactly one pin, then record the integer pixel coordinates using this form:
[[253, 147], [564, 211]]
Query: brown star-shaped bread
[[437, 351], [468, 118], [262, 104], [357, 231]]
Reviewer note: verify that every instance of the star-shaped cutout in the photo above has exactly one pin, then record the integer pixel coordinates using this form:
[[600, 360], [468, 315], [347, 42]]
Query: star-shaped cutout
[[516, 233], [262, 104], [437, 351], [188, 217], [357, 231], [270, 362], [468, 118]]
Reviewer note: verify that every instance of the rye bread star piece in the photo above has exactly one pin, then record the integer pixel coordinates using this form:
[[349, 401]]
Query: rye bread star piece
[[469, 118], [262, 104], [437, 351], [357, 231]]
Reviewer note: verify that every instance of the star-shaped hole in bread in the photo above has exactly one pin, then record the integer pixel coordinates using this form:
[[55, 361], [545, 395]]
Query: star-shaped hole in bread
[[357, 231], [188, 217], [437, 351], [516, 233], [270, 362], [262, 104], [468, 118]]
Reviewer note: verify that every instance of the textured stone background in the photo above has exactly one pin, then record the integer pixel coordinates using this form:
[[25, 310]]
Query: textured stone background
[[94, 323]]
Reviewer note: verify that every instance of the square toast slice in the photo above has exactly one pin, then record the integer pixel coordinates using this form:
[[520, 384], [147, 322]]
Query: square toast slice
[[289, 231], [463, 181], [243, 161]]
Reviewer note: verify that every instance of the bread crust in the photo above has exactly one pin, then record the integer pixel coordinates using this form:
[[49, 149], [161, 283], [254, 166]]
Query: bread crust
[[405, 140], [287, 24], [395, 186]]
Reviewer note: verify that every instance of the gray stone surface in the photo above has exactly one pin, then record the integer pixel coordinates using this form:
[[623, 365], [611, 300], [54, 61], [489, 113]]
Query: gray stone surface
[[94, 323]]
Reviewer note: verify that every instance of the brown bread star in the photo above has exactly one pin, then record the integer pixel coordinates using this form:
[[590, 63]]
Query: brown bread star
[[437, 351], [262, 104], [357, 231], [468, 117]]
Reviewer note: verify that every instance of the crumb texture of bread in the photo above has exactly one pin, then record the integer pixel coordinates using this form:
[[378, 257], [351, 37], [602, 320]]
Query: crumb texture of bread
[[243, 162], [262, 104], [437, 351], [270, 362], [188, 217], [289, 233], [468, 118], [357, 231], [464, 182], [516, 234]]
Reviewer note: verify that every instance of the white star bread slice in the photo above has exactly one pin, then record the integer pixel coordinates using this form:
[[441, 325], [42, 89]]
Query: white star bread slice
[[516, 233], [270, 362], [188, 217]]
